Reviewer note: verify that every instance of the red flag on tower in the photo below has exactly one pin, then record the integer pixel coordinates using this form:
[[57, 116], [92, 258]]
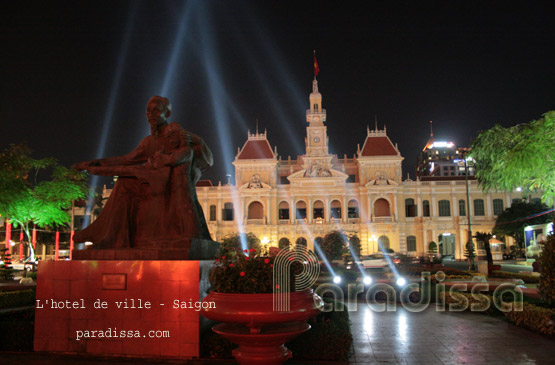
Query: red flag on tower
[[316, 68]]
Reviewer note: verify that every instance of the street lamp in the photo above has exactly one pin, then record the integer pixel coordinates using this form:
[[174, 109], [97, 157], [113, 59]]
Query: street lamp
[[465, 163]]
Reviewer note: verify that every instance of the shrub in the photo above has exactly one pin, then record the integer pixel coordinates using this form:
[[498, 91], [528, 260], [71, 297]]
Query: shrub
[[527, 278], [546, 287], [20, 298], [538, 319], [17, 330], [329, 328]]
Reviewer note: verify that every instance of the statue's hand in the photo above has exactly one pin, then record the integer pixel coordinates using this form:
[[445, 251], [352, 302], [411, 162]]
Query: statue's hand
[[86, 164], [188, 137]]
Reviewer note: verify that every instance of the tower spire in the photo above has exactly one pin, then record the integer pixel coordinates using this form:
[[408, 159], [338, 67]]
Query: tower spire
[[431, 129]]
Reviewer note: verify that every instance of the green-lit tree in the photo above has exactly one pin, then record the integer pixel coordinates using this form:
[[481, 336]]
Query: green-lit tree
[[27, 200], [518, 156], [511, 223]]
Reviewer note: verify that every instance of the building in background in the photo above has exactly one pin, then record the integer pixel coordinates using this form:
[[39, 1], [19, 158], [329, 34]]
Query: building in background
[[440, 158]]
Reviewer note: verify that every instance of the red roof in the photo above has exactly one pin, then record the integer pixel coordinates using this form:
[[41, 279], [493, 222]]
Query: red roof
[[378, 146], [255, 150]]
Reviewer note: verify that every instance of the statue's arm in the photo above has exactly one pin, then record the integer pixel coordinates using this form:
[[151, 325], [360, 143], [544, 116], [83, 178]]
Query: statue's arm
[[202, 154], [135, 157]]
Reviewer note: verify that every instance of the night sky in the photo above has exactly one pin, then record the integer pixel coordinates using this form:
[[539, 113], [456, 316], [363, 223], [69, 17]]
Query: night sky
[[68, 68]]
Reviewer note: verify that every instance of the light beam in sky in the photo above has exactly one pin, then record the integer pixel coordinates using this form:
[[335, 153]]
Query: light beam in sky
[[108, 116]]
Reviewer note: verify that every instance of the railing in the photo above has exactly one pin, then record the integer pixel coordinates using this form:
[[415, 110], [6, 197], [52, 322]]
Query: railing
[[284, 221], [321, 111], [382, 219], [255, 221]]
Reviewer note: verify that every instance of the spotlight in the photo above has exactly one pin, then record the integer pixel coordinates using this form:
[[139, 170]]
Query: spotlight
[[401, 281], [367, 280], [337, 279]]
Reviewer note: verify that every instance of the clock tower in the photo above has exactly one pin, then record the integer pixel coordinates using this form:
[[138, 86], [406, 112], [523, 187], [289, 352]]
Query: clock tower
[[317, 160], [316, 134]]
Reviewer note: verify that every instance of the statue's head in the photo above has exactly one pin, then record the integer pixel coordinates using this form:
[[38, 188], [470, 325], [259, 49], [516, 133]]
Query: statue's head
[[158, 110]]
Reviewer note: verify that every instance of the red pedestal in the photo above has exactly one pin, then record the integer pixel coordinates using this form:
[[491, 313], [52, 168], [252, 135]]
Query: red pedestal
[[129, 284]]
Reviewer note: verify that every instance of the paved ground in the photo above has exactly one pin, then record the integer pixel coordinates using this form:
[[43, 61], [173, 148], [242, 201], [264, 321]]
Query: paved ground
[[399, 337]]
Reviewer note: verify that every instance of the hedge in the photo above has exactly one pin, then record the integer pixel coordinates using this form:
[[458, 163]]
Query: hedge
[[17, 330], [19, 298], [329, 328]]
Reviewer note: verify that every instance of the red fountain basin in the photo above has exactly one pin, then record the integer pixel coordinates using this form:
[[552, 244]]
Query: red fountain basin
[[256, 310], [266, 347]]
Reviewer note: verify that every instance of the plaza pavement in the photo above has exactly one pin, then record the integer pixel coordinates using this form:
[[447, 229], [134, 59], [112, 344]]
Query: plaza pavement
[[399, 337]]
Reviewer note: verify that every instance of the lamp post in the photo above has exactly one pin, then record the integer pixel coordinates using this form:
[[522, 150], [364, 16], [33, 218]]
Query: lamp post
[[464, 163]]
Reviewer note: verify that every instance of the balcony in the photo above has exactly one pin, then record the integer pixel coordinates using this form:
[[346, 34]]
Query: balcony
[[321, 111]]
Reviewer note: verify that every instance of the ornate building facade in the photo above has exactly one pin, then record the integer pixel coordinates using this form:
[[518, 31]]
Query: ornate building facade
[[319, 192]]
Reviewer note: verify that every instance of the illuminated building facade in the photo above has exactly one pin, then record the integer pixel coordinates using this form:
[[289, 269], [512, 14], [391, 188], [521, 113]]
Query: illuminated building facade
[[319, 192]]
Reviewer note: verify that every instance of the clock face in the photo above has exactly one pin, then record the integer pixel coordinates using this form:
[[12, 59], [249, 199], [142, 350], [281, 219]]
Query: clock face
[[316, 139], [316, 119]]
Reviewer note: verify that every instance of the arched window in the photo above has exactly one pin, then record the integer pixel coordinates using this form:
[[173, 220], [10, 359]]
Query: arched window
[[410, 208], [256, 211], [383, 243], [283, 210], [227, 212], [301, 210], [479, 207], [212, 213], [352, 209], [425, 208], [497, 206], [462, 208], [381, 208], [318, 209], [444, 208], [411, 243], [336, 209]]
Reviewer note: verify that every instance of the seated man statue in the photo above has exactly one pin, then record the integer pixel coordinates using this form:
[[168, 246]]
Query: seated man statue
[[154, 203]]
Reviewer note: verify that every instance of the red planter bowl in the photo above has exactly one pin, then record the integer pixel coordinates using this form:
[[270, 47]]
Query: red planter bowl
[[255, 310]]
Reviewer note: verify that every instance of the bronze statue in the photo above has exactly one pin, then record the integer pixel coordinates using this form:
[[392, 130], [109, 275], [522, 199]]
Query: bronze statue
[[153, 204]]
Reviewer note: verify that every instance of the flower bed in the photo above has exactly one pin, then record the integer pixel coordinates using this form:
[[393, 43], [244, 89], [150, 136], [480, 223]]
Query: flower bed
[[538, 319]]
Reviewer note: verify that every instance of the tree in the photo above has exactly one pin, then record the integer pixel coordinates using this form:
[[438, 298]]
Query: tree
[[233, 245], [519, 156], [354, 243], [511, 221], [485, 237], [546, 286], [284, 243], [26, 201], [333, 244]]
